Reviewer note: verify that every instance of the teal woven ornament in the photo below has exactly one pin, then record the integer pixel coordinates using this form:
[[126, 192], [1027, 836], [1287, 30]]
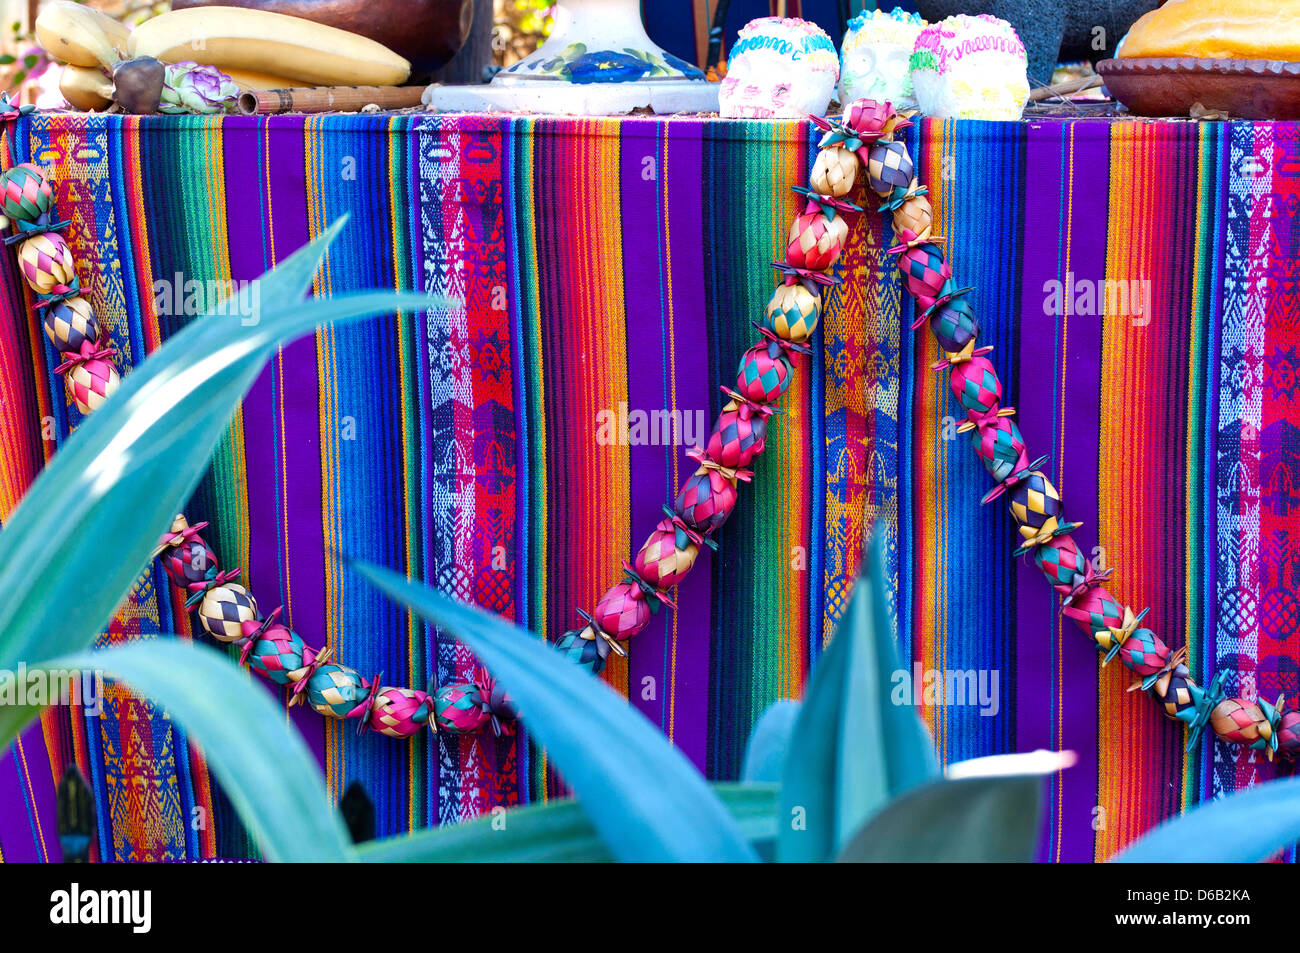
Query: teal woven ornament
[[1000, 446], [1183, 700], [764, 374], [26, 198], [335, 690], [459, 709], [583, 648]]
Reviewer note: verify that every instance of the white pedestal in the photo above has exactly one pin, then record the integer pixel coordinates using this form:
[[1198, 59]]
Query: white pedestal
[[597, 61]]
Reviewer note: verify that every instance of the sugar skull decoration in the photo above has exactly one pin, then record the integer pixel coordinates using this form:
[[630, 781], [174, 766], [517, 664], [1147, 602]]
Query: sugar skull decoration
[[970, 68], [779, 69], [875, 59]]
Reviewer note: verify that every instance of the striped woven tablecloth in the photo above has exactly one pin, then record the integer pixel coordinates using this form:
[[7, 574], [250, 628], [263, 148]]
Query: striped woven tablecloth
[[1137, 280]]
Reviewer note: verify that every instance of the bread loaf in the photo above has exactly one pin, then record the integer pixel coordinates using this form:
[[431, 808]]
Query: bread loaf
[[1219, 30]]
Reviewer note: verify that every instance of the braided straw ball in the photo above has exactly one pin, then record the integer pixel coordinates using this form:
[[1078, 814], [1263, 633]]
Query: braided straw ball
[[224, 609], [659, 562], [792, 313], [91, 383], [834, 172], [399, 712], [1239, 721], [70, 323], [46, 262], [815, 242], [914, 220]]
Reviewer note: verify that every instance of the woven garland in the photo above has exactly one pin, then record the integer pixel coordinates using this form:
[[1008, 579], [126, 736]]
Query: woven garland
[[863, 139]]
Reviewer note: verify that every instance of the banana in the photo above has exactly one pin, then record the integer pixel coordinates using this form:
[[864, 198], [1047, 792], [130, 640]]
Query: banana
[[235, 38], [245, 79], [86, 88], [76, 34]]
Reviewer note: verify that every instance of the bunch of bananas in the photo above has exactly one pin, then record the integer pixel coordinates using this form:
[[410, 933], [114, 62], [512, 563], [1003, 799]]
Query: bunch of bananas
[[255, 48]]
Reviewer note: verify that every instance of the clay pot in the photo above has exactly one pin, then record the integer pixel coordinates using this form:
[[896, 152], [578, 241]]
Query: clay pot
[[427, 32]]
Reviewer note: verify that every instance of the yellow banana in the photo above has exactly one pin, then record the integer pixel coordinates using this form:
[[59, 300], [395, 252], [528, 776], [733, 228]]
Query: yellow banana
[[76, 34], [246, 79], [234, 38], [86, 88]]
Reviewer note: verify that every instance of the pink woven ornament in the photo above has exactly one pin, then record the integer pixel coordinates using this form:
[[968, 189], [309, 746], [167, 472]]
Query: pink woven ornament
[[46, 262], [740, 432], [870, 121], [189, 560], [1095, 610], [496, 702], [660, 561], [816, 241], [458, 708], [976, 384], [925, 273], [764, 373], [1144, 654], [622, 611], [708, 496], [397, 712], [1288, 734], [89, 376]]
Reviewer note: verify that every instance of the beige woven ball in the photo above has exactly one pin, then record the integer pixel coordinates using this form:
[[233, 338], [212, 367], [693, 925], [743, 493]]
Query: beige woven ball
[[834, 172], [223, 610]]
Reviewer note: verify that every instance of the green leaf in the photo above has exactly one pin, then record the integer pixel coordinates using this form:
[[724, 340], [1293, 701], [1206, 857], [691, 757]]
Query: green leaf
[[90, 521], [1242, 828], [13, 719], [852, 749], [647, 801], [768, 743], [265, 768], [977, 820], [7, 59], [556, 832]]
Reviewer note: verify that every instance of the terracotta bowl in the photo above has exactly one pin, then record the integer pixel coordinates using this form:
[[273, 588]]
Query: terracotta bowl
[[1171, 86], [427, 32]]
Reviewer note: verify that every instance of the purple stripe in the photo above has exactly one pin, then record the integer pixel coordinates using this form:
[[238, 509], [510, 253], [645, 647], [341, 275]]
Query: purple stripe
[[1075, 368], [685, 173], [664, 300], [274, 471], [644, 302], [19, 838]]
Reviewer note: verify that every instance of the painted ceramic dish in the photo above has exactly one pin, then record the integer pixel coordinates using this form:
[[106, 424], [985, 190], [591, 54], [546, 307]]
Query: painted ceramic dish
[[1171, 86]]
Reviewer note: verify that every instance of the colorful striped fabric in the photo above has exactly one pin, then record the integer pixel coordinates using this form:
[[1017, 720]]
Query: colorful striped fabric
[[516, 449]]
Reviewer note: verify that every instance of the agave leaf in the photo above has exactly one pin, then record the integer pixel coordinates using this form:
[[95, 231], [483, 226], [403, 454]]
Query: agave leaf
[[852, 749], [271, 778], [770, 740], [647, 801], [976, 820], [555, 832], [1238, 829], [13, 719], [130, 466]]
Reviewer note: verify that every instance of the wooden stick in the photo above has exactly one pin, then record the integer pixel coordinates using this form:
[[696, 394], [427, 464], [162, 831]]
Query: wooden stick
[[1069, 86], [321, 99]]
